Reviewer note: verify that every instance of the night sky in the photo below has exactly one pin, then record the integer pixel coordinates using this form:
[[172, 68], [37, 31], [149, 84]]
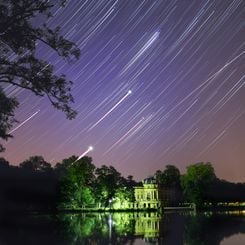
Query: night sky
[[183, 62]]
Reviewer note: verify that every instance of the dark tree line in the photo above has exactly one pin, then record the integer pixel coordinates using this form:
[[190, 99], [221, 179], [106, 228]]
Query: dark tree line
[[200, 185], [27, 188], [222, 191], [36, 185], [71, 184]]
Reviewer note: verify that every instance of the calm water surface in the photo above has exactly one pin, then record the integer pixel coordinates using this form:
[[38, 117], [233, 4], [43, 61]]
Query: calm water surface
[[124, 228]]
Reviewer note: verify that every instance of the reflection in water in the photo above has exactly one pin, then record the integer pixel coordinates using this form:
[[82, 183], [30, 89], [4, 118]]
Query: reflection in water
[[212, 229], [147, 225], [124, 228], [98, 228], [172, 228]]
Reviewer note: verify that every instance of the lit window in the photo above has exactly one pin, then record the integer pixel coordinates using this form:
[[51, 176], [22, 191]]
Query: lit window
[[148, 196]]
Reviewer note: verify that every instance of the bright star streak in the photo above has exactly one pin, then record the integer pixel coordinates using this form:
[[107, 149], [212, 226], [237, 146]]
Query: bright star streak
[[116, 105], [90, 148], [141, 52], [29, 118]]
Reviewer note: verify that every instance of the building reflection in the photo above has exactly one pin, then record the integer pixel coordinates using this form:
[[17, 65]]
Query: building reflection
[[147, 225], [124, 228], [152, 227]]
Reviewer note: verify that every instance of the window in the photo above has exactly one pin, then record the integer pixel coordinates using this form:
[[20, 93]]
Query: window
[[148, 197], [155, 195]]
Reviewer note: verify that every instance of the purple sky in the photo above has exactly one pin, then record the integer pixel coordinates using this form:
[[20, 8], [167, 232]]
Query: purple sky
[[184, 63]]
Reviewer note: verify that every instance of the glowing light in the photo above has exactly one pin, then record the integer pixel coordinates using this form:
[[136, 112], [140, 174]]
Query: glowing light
[[90, 148]]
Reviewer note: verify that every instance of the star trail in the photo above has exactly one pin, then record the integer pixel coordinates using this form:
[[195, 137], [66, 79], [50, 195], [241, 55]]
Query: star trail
[[158, 82]]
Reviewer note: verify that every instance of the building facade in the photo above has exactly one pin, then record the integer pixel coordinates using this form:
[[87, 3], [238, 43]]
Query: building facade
[[148, 195], [151, 195]]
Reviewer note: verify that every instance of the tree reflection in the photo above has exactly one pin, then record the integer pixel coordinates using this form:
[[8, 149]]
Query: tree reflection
[[169, 228], [153, 228], [211, 228], [95, 228], [114, 228]]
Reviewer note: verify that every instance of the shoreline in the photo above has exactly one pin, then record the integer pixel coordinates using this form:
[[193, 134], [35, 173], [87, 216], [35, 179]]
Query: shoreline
[[163, 210]]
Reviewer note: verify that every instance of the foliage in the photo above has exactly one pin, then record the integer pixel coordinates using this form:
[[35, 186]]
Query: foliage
[[75, 189], [79, 184], [7, 107], [170, 177], [107, 183], [3, 163], [61, 168], [196, 181], [82, 185], [31, 186], [36, 163], [129, 183], [20, 65]]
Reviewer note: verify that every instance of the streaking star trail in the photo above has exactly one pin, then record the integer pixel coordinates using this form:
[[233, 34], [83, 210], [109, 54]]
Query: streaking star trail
[[184, 62], [21, 124], [141, 51], [113, 108], [90, 148]]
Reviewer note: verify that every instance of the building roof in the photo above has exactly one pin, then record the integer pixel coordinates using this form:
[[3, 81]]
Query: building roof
[[149, 180]]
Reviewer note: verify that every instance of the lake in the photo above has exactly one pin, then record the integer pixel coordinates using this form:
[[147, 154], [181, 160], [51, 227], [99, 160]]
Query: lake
[[124, 228]]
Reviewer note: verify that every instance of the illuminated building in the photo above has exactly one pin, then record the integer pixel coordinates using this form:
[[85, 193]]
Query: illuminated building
[[151, 195], [148, 195]]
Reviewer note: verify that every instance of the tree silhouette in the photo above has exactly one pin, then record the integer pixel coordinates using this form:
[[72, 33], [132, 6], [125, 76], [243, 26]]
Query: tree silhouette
[[36, 163], [20, 65], [3, 163], [62, 167], [108, 181], [170, 177], [225, 192], [7, 106]]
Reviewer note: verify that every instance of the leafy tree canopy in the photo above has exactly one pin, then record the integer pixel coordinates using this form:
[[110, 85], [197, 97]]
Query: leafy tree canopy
[[170, 177], [196, 181], [36, 163], [7, 106], [20, 65], [61, 168], [107, 182], [75, 187], [82, 171]]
